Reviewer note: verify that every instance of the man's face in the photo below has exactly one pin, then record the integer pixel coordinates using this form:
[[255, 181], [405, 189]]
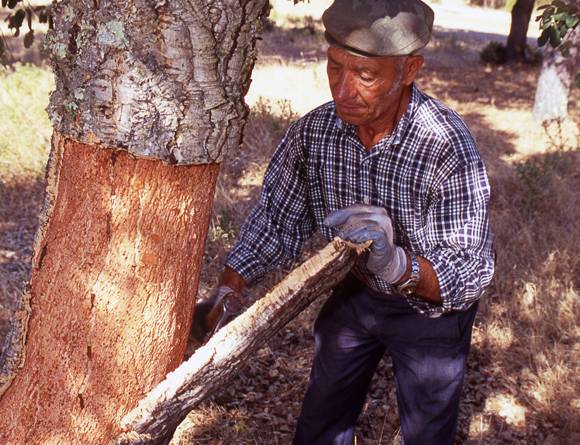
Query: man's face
[[364, 89]]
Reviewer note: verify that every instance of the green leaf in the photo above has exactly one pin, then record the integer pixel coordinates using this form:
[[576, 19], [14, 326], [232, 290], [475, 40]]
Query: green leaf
[[539, 8], [578, 79], [15, 20], [4, 2], [1, 47], [558, 4], [548, 13], [554, 37], [546, 24], [12, 3], [561, 16], [29, 39], [543, 38], [572, 21]]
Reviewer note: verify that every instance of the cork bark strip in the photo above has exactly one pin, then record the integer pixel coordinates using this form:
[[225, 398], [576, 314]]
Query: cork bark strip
[[217, 361], [114, 278]]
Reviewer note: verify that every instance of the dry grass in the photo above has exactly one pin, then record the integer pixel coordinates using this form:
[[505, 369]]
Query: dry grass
[[522, 381]]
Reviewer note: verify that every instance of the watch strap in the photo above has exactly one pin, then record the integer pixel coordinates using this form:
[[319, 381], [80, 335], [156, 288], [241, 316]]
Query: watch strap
[[408, 286]]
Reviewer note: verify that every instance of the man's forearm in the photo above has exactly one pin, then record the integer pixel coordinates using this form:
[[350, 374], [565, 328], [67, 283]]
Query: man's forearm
[[428, 285], [232, 279]]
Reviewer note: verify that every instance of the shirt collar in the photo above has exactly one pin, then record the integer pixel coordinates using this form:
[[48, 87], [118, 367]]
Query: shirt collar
[[396, 136]]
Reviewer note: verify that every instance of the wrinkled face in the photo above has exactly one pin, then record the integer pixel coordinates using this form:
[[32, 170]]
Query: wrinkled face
[[364, 89]]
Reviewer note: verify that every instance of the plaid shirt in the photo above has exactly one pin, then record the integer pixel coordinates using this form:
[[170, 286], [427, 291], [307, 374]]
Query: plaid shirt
[[428, 175]]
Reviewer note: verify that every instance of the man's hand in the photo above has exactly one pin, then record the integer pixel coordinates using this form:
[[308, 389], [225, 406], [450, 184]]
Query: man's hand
[[212, 313], [359, 223]]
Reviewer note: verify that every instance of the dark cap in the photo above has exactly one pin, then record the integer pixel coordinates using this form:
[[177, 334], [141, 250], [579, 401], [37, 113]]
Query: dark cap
[[373, 28]]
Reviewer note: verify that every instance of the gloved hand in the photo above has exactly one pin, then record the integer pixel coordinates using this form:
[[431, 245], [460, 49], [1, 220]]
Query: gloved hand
[[359, 223], [212, 313]]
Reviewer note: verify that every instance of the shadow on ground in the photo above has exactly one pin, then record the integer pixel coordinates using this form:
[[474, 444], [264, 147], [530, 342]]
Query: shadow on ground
[[533, 205]]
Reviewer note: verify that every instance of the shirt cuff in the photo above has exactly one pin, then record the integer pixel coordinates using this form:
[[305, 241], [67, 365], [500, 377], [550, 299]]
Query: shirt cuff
[[447, 276], [243, 261]]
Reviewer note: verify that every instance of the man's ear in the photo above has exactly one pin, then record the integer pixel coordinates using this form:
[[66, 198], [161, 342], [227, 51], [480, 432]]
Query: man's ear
[[411, 68]]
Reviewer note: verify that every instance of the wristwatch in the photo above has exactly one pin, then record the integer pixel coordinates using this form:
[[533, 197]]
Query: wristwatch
[[408, 286]]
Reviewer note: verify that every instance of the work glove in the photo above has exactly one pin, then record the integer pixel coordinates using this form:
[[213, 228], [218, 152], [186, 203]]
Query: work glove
[[359, 223], [212, 313]]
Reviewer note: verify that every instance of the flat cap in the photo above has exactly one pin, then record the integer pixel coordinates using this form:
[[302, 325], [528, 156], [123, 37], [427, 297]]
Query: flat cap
[[372, 28]]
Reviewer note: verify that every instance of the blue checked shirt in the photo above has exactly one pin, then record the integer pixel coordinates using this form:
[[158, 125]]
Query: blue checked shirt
[[428, 175]]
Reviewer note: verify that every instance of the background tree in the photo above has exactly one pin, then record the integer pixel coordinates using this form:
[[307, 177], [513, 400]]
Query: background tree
[[559, 24], [148, 102], [521, 14]]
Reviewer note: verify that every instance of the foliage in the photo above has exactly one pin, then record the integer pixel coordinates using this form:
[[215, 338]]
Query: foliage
[[557, 21], [537, 175], [18, 14], [493, 53]]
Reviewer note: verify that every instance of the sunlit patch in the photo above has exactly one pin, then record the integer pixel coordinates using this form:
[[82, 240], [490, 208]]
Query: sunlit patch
[[286, 14], [479, 426], [568, 308], [506, 406], [499, 335], [529, 295], [305, 85]]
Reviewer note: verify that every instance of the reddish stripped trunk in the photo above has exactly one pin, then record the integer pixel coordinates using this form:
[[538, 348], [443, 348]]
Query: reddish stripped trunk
[[128, 274]]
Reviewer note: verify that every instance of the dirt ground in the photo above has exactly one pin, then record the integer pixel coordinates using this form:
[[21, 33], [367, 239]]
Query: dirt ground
[[522, 379]]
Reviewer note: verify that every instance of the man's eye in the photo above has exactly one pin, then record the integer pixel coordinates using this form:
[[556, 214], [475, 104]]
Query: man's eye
[[366, 77]]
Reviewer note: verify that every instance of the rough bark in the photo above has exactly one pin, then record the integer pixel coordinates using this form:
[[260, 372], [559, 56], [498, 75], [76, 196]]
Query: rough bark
[[164, 79], [517, 38], [113, 286], [14, 315], [140, 86], [217, 361], [555, 80]]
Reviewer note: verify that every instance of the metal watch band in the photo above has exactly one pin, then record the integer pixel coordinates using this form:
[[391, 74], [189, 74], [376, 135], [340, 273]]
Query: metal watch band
[[408, 286]]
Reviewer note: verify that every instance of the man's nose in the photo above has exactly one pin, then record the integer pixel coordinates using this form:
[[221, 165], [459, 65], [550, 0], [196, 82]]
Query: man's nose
[[344, 88]]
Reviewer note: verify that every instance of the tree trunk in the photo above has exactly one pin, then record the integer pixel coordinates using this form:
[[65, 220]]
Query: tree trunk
[[212, 365], [110, 304], [555, 80], [517, 38], [144, 90]]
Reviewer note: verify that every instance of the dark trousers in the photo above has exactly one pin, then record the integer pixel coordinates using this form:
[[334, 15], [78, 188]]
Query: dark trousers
[[353, 330]]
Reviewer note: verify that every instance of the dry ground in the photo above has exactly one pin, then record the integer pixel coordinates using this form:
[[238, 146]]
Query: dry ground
[[522, 380]]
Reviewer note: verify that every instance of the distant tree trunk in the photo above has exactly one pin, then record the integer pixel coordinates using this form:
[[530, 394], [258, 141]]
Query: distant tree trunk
[[148, 102], [517, 38], [555, 80]]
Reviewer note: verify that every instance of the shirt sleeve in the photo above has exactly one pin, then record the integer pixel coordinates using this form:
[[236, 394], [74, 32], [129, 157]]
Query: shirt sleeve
[[275, 230], [458, 239]]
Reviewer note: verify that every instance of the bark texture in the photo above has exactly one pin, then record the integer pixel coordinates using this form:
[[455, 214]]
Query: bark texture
[[555, 80], [14, 315], [517, 38], [164, 79], [113, 286], [213, 364]]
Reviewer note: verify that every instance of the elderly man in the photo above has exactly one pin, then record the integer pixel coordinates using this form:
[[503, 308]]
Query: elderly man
[[387, 163]]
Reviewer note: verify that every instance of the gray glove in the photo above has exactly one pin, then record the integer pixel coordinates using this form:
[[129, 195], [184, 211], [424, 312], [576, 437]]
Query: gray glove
[[359, 223]]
